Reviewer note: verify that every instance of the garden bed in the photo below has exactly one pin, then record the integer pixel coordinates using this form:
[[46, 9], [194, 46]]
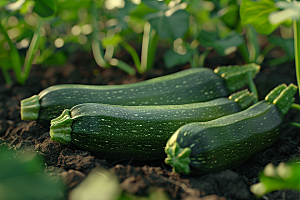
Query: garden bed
[[136, 177]]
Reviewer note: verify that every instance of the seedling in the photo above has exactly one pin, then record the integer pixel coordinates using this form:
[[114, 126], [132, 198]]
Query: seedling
[[43, 8]]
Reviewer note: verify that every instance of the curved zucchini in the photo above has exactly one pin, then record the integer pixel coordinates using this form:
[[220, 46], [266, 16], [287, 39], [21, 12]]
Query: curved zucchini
[[187, 86], [227, 142], [140, 132]]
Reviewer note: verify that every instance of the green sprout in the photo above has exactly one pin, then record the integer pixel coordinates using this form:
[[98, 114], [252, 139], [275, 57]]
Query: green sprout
[[42, 8], [22, 176], [284, 176]]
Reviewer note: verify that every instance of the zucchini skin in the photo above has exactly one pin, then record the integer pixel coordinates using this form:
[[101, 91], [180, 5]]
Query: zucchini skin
[[227, 142], [126, 132], [187, 86]]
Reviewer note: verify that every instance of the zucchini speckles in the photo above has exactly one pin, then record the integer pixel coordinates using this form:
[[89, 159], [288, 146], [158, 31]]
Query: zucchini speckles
[[139, 132], [187, 86], [226, 142]]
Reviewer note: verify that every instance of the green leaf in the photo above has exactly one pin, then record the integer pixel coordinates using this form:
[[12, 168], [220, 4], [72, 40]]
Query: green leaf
[[45, 8], [223, 46], [291, 10], [158, 5], [22, 177], [112, 40], [3, 3], [284, 176], [171, 58], [230, 15], [15, 5], [58, 58], [286, 44], [173, 26], [257, 14], [73, 5]]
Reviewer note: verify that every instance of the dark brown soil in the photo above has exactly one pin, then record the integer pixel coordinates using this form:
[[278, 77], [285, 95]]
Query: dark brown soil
[[138, 177]]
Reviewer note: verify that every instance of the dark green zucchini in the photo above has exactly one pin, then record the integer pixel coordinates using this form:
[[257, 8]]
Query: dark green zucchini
[[139, 132], [187, 86], [227, 142]]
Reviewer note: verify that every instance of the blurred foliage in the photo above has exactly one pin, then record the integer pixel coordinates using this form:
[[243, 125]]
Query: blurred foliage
[[104, 184], [188, 29], [284, 176], [22, 176]]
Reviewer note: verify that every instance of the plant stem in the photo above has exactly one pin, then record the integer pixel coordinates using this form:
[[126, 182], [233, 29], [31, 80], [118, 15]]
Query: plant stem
[[253, 45], [96, 43], [297, 48], [252, 86], [14, 56], [145, 47], [244, 52], [122, 65], [30, 54], [295, 106], [134, 55], [264, 52], [153, 40], [277, 61], [202, 58], [6, 76], [295, 124]]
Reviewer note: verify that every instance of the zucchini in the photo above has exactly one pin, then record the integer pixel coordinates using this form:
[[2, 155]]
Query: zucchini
[[227, 142], [187, 86], [140, 132]]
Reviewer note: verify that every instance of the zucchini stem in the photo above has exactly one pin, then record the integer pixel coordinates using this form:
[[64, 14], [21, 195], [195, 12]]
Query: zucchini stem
[[237, 76], [285, 100], [61, 128], [179, 158], [30, 108]]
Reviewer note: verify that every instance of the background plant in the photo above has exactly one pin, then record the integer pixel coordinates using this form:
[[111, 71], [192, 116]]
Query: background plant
[[186, 31], [19, 33], [22, 176]]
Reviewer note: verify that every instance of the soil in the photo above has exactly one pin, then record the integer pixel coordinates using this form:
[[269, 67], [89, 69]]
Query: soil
[[139, 178]]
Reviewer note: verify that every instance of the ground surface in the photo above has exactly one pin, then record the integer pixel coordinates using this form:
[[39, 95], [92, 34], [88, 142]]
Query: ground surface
[[136, 177]]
